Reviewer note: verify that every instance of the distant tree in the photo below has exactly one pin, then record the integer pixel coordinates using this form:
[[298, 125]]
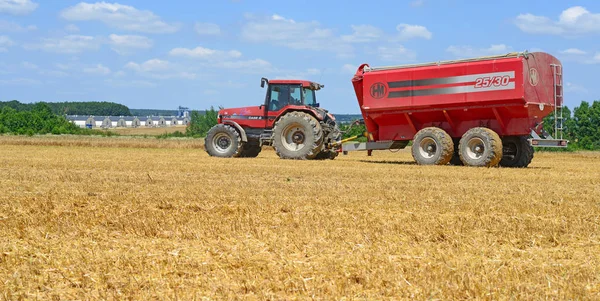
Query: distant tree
[[200, 124]]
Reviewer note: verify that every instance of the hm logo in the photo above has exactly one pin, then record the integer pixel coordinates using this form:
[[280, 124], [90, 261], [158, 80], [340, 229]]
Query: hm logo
[[378, 90]]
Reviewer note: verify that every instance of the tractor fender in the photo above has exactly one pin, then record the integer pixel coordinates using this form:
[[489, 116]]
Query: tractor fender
[[313, 113], [239, 128]]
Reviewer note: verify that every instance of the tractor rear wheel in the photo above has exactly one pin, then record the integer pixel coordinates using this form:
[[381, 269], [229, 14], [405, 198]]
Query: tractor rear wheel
[[480, 147], [223, 141], [250, 150], [297, 135], [516, 152], [432, 146]]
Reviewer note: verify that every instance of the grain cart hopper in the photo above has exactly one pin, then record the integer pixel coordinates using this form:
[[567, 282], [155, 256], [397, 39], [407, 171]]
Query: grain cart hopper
[[483, 111]]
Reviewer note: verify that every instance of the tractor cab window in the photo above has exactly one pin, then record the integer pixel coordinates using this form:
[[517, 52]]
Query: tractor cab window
[[309, 97], [279, 97], [295, 95]]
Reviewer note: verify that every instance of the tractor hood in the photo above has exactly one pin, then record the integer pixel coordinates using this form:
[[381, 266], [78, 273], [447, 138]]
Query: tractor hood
[[242, 112]]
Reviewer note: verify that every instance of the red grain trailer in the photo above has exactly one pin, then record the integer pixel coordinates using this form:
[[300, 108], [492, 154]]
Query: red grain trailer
[[483, 111]]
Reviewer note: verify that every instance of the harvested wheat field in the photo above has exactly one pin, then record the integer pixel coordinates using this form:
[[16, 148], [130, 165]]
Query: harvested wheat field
[[150, 131], [103, 218]]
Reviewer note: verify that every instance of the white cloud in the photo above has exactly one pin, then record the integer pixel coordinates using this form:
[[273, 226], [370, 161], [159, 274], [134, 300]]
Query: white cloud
[[408, 31], [468, 51], [6, 26], [417, 3], [72, 28], [228, 84], [53, 73], [396, 54], [70, 44], [349, 69], [97, 70], [129, 84], [17, 7], [204, 53], [575, 88], [573, 51], [280, 31], [573, 21], [159, 69], [119, 16], [209, 29], [19, 82], [363, 33], [249, 66], [127, 44], [211, 92], [30, 66], [5, 42]]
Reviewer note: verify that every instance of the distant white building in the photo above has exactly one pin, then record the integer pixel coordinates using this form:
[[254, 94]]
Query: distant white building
[[127, 121]]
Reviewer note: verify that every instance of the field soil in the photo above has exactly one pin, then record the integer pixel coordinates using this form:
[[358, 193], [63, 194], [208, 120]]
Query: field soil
[[150, 131], [149, 219]]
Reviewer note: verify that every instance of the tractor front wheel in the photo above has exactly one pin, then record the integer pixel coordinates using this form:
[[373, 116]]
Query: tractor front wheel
[[223, 141], [297, 135]]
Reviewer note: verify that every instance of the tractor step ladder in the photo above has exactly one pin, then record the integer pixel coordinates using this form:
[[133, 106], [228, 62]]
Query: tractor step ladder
[[266, 137]]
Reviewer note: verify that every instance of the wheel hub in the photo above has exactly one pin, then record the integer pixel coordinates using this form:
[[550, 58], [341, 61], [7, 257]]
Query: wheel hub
[[222, 142], [428, 147], [475, 148], [298, 137]]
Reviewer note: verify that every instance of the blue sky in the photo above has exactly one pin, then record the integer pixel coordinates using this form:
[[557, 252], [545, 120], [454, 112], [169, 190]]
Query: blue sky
[[162, 54]]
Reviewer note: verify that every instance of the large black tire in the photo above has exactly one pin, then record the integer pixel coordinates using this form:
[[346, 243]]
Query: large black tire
[[326, 154], [223, 141], [516, 152], [432, 146], [297, 135], [480, 147], [250, 150], [456, 157]]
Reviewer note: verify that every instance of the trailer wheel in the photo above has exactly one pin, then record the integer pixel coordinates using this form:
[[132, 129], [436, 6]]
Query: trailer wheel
[[432, 146], [223, 141], [297, 135], [250, 150], [480, 147], [516, 152]]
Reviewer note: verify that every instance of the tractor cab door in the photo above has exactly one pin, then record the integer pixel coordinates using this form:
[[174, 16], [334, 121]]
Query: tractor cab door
[[279, 97]]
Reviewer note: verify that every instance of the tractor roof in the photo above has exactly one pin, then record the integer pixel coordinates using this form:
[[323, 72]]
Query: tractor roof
[[304, 83]]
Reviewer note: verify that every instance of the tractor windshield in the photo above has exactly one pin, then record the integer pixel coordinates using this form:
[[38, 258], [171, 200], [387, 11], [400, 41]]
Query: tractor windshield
[[309, 96]]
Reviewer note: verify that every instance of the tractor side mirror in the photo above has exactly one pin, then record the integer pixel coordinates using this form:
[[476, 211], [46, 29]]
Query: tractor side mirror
[[263, 81]]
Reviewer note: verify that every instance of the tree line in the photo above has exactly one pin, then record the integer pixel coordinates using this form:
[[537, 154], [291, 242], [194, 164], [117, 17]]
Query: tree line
[[581, 126], [38, 119], [96, 108]]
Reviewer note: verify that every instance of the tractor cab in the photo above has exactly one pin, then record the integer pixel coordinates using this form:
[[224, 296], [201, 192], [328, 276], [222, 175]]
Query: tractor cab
[[283, 93]]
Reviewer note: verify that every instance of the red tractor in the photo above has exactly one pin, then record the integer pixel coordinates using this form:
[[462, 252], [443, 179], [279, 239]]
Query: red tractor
[[290, 120]]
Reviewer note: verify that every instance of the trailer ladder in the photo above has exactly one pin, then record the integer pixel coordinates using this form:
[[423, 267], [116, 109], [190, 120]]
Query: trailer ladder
[[555, 140], [558, 100]]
